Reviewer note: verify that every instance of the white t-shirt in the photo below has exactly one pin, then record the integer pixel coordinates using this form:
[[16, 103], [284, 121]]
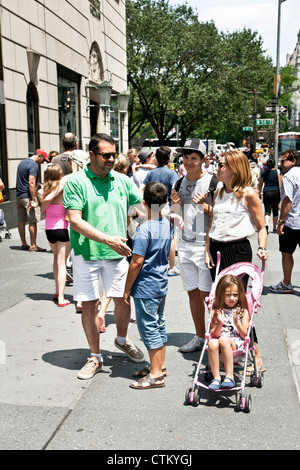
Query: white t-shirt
[[195, 220], [232, 220]]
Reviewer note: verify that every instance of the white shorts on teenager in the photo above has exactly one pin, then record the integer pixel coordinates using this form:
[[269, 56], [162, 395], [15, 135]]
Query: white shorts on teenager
[[86, 277], [193, 271]]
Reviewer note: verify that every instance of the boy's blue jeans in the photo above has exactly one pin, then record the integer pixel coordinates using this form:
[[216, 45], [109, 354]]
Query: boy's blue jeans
[[150, 320]]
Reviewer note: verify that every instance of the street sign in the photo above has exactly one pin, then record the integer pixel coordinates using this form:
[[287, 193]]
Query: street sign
[[264, 122], [247, 128], [270, 109], [282, 109]]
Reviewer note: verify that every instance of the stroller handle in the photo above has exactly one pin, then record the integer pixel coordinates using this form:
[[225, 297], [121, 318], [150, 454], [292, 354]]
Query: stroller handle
[[263, 264]]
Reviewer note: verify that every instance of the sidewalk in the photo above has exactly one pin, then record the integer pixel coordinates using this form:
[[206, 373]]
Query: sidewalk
[[44, 406]]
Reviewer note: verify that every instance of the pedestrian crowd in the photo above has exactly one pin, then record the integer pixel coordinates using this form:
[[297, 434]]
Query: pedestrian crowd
[[125, 216]]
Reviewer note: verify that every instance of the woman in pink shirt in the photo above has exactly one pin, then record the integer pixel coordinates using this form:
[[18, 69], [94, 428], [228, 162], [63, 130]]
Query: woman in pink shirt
[[56, 227]]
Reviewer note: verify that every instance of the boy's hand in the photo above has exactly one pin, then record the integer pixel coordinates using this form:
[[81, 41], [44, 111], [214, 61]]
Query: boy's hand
[[199, 198], [175, 197], [127, 297], [177, 220]]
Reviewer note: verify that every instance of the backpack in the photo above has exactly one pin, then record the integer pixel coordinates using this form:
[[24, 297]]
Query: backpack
[[212, 185]]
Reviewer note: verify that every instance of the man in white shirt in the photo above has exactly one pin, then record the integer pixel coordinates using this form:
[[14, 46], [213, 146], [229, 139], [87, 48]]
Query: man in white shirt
[[191, 197]]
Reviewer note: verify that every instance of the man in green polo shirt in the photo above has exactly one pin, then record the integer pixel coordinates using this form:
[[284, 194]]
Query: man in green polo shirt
[[96, 200]]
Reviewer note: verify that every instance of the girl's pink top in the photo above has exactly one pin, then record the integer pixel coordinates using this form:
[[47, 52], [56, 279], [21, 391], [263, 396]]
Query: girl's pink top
[[56, 217]]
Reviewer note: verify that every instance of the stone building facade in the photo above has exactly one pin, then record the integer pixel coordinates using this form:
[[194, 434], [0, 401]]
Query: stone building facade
[[53, 56], [294, 61]]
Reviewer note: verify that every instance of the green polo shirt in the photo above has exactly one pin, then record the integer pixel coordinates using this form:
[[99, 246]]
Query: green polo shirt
[[104, 204]]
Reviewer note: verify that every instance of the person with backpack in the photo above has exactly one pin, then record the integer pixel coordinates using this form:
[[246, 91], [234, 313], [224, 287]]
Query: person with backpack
[[191, 197]]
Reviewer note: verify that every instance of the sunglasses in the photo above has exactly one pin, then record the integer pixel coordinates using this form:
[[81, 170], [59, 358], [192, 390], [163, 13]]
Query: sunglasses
[[221, 165], [107, 156]]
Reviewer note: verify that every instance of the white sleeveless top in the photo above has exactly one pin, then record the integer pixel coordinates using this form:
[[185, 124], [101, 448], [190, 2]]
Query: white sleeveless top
[[232, 220]]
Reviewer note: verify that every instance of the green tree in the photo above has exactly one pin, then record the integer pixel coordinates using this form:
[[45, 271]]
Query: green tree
[[185, 72]]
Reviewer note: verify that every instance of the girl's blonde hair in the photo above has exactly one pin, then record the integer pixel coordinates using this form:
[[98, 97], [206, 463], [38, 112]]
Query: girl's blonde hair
[[227, 281], [121, 163], [240, 166], [52, 176]]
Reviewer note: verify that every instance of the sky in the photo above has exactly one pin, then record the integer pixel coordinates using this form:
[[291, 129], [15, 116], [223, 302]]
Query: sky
[[259, 15]]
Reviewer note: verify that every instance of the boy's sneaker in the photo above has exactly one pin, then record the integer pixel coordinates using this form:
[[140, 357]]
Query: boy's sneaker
[[281, 288], [90, 369], [132, 351], [193, 345], [174, 271]]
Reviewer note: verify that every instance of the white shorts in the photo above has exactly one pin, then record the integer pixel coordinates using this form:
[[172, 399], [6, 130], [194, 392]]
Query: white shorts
[[193, 271], [86, 277]]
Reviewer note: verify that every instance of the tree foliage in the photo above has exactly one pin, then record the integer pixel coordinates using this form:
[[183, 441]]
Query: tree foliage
[[187, 73]]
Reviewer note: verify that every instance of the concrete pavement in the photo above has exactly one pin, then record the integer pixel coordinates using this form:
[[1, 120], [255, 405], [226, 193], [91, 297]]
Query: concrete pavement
[[44, 406]]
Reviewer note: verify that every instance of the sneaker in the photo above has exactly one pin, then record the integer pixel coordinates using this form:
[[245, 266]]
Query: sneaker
[[174, 272], [134, 353], [90, 369], [193, 345], [281, 288]]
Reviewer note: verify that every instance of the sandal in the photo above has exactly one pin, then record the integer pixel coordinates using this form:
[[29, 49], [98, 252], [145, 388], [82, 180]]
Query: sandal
[[230, 383], [213, 385], [148, 382], [142, 373]]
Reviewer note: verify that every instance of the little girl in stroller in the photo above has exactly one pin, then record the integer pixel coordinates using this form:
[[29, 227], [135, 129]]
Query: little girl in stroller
[[230, 321], [229, 335]]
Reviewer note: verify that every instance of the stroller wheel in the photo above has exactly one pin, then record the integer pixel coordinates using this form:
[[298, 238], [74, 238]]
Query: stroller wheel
[[260, 380], [238, 401], [187, 396], [248, 403], [196, 398]]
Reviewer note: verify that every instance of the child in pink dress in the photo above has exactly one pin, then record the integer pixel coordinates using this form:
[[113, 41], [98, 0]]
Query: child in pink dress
[[230, 321]]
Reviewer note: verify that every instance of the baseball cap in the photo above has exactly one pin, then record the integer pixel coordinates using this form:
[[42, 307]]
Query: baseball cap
[[43, 153], [193, 144], [144, 153]]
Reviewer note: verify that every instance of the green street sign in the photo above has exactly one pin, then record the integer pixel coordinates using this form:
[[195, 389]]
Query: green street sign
[[264, 122], [247, 128]]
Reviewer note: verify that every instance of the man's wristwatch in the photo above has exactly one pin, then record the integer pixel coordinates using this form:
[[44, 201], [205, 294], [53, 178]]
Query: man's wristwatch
[[280, 222]]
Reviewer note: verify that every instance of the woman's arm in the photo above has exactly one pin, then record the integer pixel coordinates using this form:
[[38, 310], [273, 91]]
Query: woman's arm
[[254, 205]]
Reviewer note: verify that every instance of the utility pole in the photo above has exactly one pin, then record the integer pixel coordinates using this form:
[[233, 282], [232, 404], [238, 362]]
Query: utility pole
[[277, 85], [254, 116]]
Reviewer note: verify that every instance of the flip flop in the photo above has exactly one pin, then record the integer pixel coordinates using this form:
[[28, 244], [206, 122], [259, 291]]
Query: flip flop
[[230, 383], [250, 370], [148, 382], [142, 373], [37, 249], [25, 247], [66, 302]]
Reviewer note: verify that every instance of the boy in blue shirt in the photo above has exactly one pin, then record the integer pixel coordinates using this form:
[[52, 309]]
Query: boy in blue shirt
[[147, 282]]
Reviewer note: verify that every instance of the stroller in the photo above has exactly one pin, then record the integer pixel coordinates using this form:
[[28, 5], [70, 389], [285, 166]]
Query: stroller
[[243, 401], [3, 226]]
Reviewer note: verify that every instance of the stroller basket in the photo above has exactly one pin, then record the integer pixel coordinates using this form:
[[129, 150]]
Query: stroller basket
[[243, 401]]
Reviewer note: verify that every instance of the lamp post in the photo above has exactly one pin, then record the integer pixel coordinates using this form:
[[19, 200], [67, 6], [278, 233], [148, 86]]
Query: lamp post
[[123, 101], [105, 90], [277, 85]]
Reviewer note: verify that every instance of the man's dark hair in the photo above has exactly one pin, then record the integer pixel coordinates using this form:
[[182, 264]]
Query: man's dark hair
[[163, 155], [292, 154], [69, 141], [96, 139], [155, 194]]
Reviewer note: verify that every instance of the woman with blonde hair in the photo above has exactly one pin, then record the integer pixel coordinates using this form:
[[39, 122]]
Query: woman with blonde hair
[[56, 227], [236, 215]]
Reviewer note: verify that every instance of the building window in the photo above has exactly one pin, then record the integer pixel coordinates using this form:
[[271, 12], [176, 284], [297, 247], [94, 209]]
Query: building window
[[68, 84], [33, 133]]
